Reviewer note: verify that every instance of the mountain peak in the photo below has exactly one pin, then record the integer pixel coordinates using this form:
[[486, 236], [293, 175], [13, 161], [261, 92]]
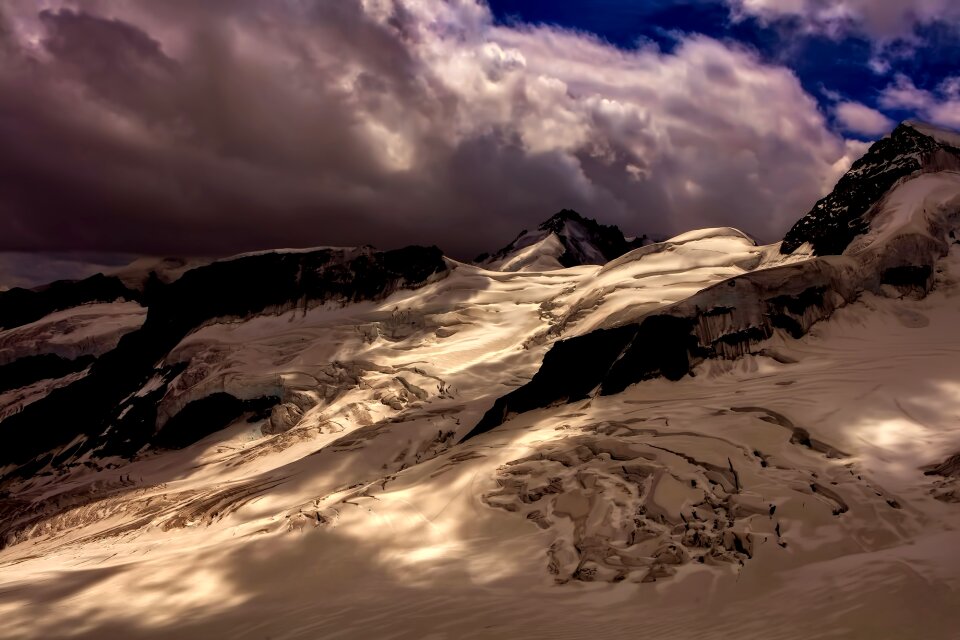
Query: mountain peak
[[911, 149], [942, 135], [566, 239], [556, 222]]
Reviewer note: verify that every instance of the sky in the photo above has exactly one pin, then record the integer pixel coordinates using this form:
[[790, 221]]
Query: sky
[[215, 127]]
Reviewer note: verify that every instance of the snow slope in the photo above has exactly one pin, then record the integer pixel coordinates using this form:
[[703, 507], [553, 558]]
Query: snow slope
[[91, 329], [335, 535], [715, 440]]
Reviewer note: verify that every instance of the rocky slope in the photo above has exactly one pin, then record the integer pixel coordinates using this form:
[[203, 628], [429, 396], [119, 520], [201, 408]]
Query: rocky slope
[[112, 408], [567, 239], [910, 150], [906, 229], [279, 444]]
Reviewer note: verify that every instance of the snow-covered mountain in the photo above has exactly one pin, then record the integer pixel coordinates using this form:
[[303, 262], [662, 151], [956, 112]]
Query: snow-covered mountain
[[913, 148], [701, 437], [567, 239]]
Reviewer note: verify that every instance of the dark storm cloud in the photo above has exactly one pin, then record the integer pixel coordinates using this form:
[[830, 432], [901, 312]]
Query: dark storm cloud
[[216, 127]]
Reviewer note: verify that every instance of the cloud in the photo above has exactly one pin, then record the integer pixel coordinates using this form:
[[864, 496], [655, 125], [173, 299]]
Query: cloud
[[940, 107], [883, 20], [29, 270], [859, 118], [879, 65], [214, 127]]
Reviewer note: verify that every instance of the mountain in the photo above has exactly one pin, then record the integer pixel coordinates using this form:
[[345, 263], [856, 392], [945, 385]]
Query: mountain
[[567, 239], [113, 407], [362, 443], [912, 149]]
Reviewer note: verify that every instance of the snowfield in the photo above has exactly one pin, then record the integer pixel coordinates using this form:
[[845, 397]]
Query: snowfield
[[796, 482]]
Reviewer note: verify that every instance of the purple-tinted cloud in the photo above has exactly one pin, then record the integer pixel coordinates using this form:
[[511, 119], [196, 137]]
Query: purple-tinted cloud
[[859, 118], [216, 127], [940, 107], [884, 20]]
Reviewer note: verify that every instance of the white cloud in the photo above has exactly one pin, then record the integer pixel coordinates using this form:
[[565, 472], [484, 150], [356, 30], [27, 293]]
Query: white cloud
[[859, 118], [903, 94], [881, 19], [879, 66], [350, 121], [940, 107]]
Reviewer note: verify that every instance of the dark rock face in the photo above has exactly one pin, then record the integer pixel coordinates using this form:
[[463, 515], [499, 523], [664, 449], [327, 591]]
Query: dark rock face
[[949, 468], [723, 321], [909, 276], [570, 371], [208, 415], [26, 371], [837, 219], [664, 345], [589, 243], [607, 361], [607, 239], [94, 406], [23, 306]]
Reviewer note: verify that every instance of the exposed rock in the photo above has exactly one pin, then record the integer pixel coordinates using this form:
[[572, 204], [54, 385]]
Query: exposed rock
[[236, 288], [209, 415], [565, 240], [841, 216], [723, 321], [283, 417], [949, 468], [32, 369], [23, 306]]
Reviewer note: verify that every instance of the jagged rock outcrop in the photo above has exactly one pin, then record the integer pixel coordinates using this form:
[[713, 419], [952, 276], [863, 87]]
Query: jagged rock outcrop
[[909, 226], [22, 306], [113, 409], [47, 366], [567, 239], [833, 223], [726, 320]]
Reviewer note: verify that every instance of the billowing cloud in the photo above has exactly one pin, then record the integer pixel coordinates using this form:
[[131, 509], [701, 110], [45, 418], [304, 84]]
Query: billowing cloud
[[881, 19], [859, 118], [939, 107], [189, 127]]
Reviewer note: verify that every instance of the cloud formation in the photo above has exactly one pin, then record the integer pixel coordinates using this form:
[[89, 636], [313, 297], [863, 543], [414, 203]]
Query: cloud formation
[[881, 19], [859, 118], [939, 107], [215, 127]]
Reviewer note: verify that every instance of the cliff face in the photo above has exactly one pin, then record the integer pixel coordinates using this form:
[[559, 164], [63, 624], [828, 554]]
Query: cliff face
[[92, 410], [23, 306], [894, 215], [567, 239], [841, 216]]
